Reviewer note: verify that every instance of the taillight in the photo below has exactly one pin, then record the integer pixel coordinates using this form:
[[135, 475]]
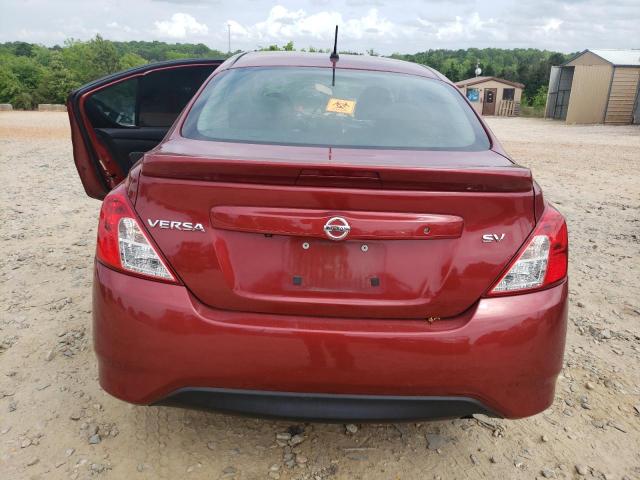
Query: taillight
[[542, 262], [123, 244]]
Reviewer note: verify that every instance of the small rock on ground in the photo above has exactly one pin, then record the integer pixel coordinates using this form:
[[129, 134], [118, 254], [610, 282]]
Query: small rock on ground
[[351, 428]]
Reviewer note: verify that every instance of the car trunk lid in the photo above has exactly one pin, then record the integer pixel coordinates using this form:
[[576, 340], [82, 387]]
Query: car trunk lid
[[414, 246]]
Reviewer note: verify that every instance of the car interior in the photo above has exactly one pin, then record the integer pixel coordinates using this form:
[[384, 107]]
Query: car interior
[[291, 106], [132, 116]]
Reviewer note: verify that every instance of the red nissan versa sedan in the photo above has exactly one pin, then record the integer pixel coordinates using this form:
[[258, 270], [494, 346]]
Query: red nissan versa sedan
[[294, 244]]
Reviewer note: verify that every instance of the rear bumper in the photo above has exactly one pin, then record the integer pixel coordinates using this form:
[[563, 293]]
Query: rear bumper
[[325, 407], [156, 344]]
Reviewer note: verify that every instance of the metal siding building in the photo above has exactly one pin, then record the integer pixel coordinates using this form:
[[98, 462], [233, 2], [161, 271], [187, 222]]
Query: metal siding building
[[596, 86]]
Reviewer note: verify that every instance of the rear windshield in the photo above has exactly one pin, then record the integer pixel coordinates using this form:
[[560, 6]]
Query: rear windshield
[[364, 109]]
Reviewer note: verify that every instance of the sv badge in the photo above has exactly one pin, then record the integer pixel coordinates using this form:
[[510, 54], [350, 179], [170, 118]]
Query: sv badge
[[492, 237]]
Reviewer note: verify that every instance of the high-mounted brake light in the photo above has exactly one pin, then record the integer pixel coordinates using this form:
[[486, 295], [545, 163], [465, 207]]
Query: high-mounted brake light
[[123, 244], [542, 262]]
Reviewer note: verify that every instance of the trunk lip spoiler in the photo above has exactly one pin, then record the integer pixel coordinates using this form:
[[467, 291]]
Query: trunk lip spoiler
[[488, 179]]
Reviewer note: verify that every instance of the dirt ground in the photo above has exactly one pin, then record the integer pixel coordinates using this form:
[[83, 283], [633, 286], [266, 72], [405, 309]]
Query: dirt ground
[[55, 422]]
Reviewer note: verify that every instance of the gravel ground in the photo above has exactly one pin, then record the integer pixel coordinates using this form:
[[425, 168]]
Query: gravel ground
[[55, 422]]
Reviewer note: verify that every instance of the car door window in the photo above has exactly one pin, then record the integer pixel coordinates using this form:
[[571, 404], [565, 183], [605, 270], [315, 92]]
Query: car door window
[[116, 118], [163, 94], [153, 100], [114, 106]]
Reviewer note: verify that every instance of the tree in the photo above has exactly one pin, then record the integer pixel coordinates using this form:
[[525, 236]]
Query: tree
[[41, 55], [9, 84], [525, 65], [91, 60], [45, 74], [23, 101], [22, 49], [288, 47], [103, 57], [540, 98], [19, 77], [57, 82], [130, 60], [27, 70]]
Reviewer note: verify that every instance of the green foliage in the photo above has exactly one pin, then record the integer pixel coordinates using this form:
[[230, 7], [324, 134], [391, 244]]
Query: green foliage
[[287, 47], [23, 101], [31, 73], [159, 51], [102, 57], [27, 71], [90, 60], [525, 65], [9, 84], [534, 107], [57, 82], [18, 49], [130, 60], [271, 48], [540, 98], [528, 111], [19, 77]]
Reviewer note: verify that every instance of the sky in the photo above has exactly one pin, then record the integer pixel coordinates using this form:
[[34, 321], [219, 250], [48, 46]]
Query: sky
[[404, 26]]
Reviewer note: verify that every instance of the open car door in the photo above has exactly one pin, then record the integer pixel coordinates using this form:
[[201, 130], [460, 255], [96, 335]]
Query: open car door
[[115, 119]]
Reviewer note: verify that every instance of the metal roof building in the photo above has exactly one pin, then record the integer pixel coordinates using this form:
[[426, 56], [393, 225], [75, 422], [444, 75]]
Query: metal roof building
[[596, 86]]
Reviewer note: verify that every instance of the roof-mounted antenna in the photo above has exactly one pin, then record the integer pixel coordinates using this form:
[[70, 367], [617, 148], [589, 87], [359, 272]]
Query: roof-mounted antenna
[[334, 57]]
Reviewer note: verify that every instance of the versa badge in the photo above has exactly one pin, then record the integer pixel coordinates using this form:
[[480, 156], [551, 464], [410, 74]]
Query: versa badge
[[173, 225]]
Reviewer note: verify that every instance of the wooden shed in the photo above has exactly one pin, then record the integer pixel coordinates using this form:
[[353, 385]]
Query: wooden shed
[[596, 86], [492, 95]]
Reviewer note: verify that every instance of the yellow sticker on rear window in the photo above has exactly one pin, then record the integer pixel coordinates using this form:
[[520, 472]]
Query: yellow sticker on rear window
[[338, 105]]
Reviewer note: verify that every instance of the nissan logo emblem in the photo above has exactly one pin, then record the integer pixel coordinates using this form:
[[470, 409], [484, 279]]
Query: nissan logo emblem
[[336, 228]]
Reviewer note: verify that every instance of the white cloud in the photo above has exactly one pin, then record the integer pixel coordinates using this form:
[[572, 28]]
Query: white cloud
[[180, 26], [469, 27], [552, 24], [284, 24], [120, 28], [398, 26], [372, 25]]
